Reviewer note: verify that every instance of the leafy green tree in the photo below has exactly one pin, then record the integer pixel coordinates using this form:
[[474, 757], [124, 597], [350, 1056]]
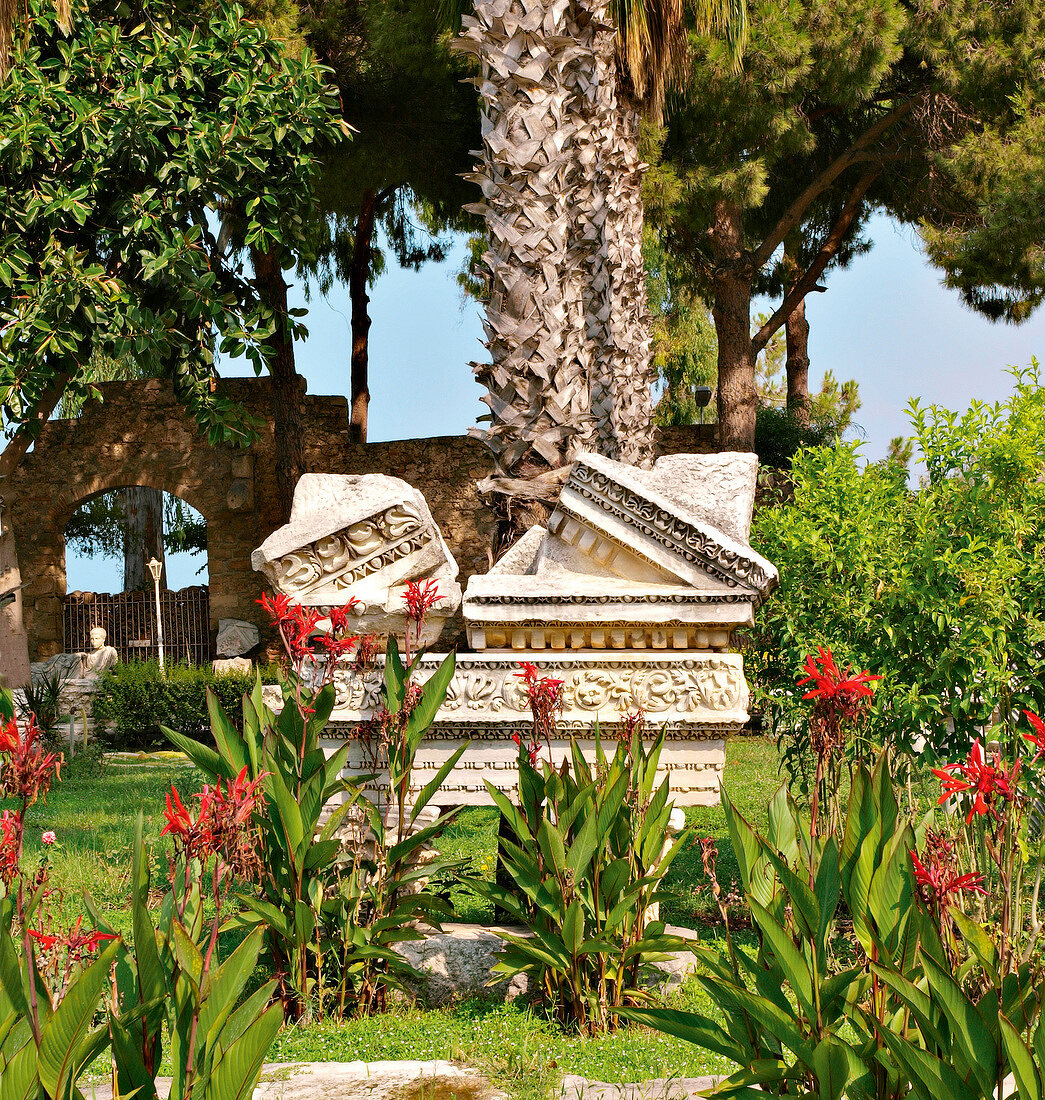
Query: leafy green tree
[[841, 106], [118, 145], [940, 588], [415, 122]]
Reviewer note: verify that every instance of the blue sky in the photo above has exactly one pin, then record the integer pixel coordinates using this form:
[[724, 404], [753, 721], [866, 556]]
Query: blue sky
[[887, 322]]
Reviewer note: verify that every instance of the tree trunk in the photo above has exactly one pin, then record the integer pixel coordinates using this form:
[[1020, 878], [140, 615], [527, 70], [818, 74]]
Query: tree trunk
[[796, 333], [359, 275], [796, 330], [142, 537], [288, 387], [566, 322], [737, 395]]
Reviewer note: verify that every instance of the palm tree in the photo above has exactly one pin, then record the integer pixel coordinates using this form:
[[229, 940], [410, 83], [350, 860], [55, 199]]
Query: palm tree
[[564, 84]]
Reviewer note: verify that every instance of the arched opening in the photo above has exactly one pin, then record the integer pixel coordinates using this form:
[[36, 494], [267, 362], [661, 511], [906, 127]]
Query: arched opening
[[109, 541]]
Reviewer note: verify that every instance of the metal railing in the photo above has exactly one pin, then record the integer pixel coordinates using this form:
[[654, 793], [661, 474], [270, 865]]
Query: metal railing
[[129, 619]]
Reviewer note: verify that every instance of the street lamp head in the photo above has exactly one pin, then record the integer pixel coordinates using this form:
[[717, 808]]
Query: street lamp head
[[701, 395], [155, 567]]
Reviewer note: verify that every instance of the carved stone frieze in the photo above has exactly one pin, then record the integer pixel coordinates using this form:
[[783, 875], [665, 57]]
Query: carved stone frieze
[[362, 536], [352, 553], [638, 512], [696, 689], [599, 635], [692, 758]]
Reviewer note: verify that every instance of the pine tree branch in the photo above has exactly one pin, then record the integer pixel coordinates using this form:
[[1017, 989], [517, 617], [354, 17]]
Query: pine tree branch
[[858, 152], [808, 280]]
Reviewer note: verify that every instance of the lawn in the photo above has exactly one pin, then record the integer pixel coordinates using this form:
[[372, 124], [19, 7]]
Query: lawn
[[92, 813]]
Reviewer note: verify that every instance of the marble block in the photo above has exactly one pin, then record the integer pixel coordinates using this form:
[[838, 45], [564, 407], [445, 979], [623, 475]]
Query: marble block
[[364, 536], [697, 698]]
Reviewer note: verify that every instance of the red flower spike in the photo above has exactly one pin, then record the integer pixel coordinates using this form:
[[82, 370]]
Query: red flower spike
[[830, 683], [420, 599], [1037, 738], [984, 781], [27, 770], [10, 843]]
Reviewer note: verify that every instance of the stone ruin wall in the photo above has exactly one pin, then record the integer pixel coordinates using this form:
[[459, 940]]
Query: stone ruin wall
[[140, 435]]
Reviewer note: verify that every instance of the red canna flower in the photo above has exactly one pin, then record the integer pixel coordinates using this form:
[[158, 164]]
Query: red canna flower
[[9, 736], [222, 825], [939, 884], [339, 615], [27, 770], [832, 684], [277, 606], [545, 698], [179, 820], [1037, 738], [47, 942], [985, 781], [420, 599]]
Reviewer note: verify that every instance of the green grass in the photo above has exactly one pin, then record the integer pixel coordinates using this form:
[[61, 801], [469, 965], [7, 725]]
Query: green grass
[[92, 812], [520, 1050]]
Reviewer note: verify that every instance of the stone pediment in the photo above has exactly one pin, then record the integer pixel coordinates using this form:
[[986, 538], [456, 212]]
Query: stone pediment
[[620, 518], [364, 536]]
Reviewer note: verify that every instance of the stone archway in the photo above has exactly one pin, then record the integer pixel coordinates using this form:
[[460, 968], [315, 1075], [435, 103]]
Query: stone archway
[[138, 434]]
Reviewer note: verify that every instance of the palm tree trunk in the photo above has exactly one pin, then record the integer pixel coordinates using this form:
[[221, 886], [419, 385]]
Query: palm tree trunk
[[566, 325]]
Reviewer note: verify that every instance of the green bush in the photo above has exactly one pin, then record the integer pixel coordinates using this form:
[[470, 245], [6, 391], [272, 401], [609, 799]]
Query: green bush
[[941, 586], [139, 699]]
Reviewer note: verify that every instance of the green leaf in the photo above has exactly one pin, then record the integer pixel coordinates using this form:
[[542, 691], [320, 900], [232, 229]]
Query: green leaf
[[236, 1074], [433, 695], [788, 957], [1021, 1060], [62, 1041]]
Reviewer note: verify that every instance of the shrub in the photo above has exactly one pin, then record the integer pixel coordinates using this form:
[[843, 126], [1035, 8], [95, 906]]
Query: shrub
[[139, 700], [942, 586]]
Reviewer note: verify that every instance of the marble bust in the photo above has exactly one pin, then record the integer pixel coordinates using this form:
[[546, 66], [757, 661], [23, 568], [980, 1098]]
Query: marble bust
[[101, 656]]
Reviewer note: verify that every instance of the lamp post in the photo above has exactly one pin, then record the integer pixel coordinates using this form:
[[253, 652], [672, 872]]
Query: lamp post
[[155, 568]]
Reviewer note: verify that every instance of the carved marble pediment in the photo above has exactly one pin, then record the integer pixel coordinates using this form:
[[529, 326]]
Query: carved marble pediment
[[364, 536], [621, 518], [631, 559]]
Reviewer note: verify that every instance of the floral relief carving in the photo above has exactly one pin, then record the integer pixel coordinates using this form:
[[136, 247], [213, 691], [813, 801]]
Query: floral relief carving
[[348, 555], [686, 688]]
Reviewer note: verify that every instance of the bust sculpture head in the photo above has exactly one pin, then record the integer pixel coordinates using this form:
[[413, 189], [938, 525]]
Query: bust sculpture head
[[101, 656]]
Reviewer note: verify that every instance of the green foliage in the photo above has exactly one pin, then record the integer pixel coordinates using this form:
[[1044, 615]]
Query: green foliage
[[941, 588], [97, 526], [804, 1017], [332, 920], [173, 986], [586, 867], [382, 891], [140, 699], [780, 434], [417, 120], [297, 855], [45, 1044], [42, 698], [121, 144]]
